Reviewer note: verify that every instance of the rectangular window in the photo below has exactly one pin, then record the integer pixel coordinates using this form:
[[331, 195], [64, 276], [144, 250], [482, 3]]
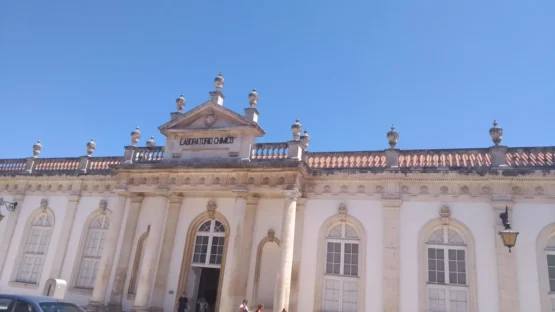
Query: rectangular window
[[333, 258], [340, 295], [551, 271], [457, 267], [350, 260], [437, 300], [217, 250], [201, 249], [447, 300], [436, 266]]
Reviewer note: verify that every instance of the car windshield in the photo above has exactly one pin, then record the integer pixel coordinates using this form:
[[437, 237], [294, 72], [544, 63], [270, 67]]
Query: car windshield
[[60, 307]]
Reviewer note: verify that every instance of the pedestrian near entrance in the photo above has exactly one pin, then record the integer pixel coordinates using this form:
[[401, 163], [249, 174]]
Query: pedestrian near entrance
[[183, 303], [260, 308], [202, 305], [244, 307]]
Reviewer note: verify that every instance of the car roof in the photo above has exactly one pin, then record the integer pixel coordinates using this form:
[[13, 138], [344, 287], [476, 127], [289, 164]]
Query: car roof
[[34, 299]]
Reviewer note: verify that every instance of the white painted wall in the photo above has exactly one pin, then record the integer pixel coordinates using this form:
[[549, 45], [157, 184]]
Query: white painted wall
[[529, 220]]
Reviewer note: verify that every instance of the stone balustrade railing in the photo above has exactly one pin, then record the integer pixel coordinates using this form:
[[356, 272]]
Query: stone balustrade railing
[[323, 160], [444, 158], [531, 156], [56, 164], [12, 165], [269, 151], [148, 154]]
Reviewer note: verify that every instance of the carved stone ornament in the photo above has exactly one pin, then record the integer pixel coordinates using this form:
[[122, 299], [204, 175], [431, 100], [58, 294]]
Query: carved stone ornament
[[103, 205], [423, 189], [327, 189], [379, 189], [211, 209], [271, 235], [344, 189], [44, 203], [404, 189], [219, 82], [465, 190], [496, 133], [539, 190], [91, 146], [392, 137], [210, 119], [305, 138], [253, 98], [135, 136], [180, 103], [443, 190], [361, 189], [296, 130], [151, 143], [486, 190], [37, 148], [516, 190], [445, 214], [342, 212]]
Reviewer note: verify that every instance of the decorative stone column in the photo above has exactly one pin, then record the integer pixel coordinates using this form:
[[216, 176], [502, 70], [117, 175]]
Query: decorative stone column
[[151, 252], [391, 260], [297, 253], [506, 262], [125, 253], [98, 298], [61, 249], [166, 253], [283, 281], [11, 224]]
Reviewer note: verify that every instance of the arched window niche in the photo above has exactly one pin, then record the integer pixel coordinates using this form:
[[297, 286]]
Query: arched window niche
[[545, 254], [137, 261], [34, 245], [447, 266], [341, 265], [267, 251], [195, 234]]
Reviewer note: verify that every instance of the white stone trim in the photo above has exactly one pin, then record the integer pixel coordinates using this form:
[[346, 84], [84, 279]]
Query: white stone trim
[[541, 257]]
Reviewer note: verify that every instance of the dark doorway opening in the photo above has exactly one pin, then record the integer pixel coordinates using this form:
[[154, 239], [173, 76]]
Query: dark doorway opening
[[208, 288]]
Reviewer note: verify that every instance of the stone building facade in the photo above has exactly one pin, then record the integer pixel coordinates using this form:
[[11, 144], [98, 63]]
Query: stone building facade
[[217, 215]]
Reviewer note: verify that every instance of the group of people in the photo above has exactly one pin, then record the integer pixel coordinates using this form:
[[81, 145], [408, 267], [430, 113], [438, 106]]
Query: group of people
[[183, 305]]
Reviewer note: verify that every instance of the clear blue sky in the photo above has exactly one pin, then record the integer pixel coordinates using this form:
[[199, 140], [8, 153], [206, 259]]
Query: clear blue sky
[[441, 71]]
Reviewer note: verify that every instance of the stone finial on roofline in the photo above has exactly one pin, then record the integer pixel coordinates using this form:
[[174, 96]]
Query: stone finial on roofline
[[219, 82], [37, 148], [392, 137], [305, 138], [135, 136], [151, 142], [296, 130], [496, 133], [253, 98], [180, 103], [91, 146]]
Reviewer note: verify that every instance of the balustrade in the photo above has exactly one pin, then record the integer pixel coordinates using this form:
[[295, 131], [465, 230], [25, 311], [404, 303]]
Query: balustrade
[[148, 154], [267, 151]]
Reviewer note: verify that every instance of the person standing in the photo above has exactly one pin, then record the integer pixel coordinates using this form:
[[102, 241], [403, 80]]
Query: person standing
[[244, 307], [202, 305], [183, 303], [260, 308]]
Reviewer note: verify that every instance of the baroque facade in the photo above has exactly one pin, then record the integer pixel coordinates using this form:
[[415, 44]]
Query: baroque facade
[[216, 215]]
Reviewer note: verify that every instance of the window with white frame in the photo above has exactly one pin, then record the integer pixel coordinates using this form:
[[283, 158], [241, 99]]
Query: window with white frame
[[446, 267], [35, 249], [550, 254], [209, 245], [341, 274], [94, 245]]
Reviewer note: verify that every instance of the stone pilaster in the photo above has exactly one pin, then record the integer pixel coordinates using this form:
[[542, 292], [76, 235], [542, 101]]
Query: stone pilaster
[[151, 252], [283, 281], [98, 298], [61, 249], [297, 253], [166, 253], [391, 258], [10, 224], [506, 262], [125, 253]]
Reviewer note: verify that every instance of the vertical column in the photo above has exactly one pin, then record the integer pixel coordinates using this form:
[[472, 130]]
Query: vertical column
[[98, 300], [166, 253], [297, 253], [283, 282], [61, 249], [233, 295], [506, 262], [148, 266], [391, 259], [125, 253], [11, 224]]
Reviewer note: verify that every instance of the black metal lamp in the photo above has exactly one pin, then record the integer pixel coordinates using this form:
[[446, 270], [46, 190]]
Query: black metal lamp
[[9, 206], [508, 236]]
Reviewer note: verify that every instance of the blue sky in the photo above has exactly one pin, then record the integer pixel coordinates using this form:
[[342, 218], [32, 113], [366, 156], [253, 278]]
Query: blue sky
[[441, 71]]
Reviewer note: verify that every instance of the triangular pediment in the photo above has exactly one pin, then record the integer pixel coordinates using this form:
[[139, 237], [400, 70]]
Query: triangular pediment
[[210, 117]]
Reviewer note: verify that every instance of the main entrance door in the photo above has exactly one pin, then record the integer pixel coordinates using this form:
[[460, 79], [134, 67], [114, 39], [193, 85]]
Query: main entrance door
[[204, 274]]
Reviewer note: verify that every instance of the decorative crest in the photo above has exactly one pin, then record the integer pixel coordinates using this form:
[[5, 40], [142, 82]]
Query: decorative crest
[[211, 209], [135, 136], [91, 146], [392, 137], [37, 148], [253, 98], [210, 119], [219, 82], [44, 203], [305, 138], [496, 133], [151, 143], [271, 235], [296, 130], [342, 212], [180, 103], [445, 214], [103, 205]]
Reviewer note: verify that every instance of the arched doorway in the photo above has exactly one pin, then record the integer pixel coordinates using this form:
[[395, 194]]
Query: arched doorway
[[204, 260], [265, 275]]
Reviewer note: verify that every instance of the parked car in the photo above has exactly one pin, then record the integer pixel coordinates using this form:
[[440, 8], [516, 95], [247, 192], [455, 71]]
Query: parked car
[[19, 303]]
